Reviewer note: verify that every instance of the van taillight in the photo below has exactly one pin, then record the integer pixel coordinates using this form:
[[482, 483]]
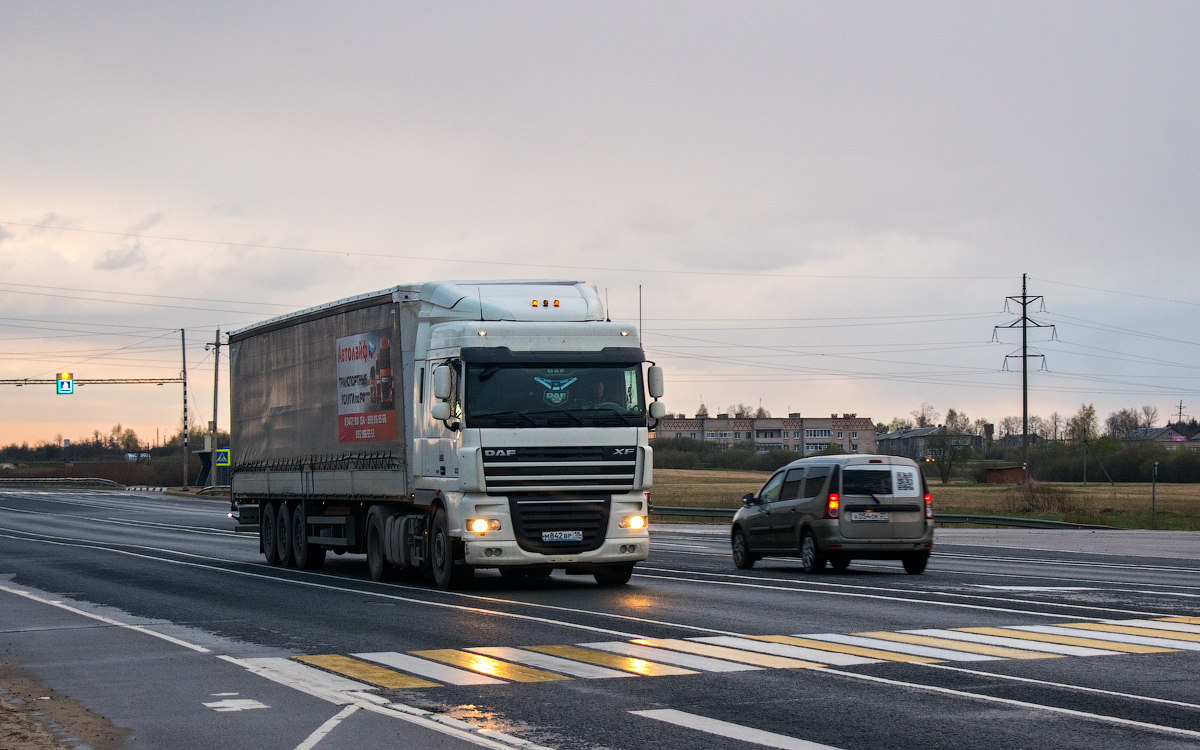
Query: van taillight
[[928, 505], [832, 505]]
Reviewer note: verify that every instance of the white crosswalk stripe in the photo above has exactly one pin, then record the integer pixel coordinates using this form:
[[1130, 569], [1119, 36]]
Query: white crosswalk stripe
[[690, 661], [900, 648], [430, 669], [1178, 627], [552, 663], [1100, 635], [291, 672], [995, 640], [783, 649]]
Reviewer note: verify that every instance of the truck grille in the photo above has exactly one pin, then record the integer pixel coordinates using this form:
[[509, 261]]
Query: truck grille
[[583, 469], [533, 514]]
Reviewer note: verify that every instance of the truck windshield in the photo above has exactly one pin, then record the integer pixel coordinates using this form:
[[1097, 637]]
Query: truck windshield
[[589, 395]]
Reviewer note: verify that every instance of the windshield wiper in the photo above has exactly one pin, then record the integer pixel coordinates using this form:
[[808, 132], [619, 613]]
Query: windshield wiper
[[503, 414], [621, 416], [859, 491]]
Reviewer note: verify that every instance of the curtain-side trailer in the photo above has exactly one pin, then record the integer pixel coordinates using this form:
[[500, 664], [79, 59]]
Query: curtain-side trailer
[[444, 427]]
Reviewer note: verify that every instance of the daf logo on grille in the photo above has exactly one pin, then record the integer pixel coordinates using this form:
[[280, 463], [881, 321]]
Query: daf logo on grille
[[491, 452]]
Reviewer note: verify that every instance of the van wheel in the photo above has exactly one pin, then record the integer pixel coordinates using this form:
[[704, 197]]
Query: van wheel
[[613, 575], [915, 564], [283, 535], [266, 533], [446, 574], [811, 559], [307, 556], [839, 562], [743, 558]]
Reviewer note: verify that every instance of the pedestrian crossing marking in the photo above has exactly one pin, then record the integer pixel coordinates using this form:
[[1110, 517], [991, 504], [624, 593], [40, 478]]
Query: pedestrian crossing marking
[[1187, 620], [870, 653], [361, 670], [904, 648], [1133, 630], [489, 666], [687, 661], [1160, 641], [1069, 640], [971, 648], [604, 659], [554, 663], [1053, 648], [782, 649], [1169, 627], [728, 654], [431, 669]]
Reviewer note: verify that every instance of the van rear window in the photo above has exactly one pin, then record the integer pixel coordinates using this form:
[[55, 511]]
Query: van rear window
[[867, 482]]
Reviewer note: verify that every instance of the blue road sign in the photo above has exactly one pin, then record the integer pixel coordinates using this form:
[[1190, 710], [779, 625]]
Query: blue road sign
[[222, 456], [66, 383]]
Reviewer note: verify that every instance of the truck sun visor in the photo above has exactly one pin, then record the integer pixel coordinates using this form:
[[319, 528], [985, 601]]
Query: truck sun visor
[[617, 355]]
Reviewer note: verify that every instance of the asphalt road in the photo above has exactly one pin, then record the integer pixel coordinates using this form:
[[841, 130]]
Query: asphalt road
[[150, 611]]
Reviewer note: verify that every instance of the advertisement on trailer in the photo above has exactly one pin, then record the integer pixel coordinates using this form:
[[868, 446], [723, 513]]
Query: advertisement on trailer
[[366, 388]]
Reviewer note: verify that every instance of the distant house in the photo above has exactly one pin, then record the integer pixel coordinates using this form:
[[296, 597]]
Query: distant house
[[1168, 437], [915, 443]]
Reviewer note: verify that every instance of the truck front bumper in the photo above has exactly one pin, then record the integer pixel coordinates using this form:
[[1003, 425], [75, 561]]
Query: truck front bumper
[[487, 553]]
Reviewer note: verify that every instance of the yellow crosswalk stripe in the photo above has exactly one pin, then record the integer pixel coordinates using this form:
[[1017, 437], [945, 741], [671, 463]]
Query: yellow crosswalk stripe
[[361, 670], [616, 661], [729, 654], [1068, 640], [489, 666], [842, 648], [1184, 620], [970, 648], [1134, 630]]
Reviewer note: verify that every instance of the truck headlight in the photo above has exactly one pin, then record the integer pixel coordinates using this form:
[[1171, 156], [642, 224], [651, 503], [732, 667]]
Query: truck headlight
[[483, 525], [633, 522]]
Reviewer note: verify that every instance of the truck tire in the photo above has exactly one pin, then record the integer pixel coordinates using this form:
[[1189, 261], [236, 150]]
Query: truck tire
[[307, 556], [266, 533], [446, 574], [613, 575], [283, 535], [377, 562]]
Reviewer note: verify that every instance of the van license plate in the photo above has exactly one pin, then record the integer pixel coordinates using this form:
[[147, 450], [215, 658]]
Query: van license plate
[[562, 536], [868, 516]]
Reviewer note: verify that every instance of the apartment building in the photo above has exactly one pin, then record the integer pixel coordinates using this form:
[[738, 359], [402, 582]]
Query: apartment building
[[796, 433]]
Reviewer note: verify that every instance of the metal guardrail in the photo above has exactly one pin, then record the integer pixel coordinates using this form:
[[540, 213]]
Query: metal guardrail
[[1021, 523], [215, 490], [58, 482]]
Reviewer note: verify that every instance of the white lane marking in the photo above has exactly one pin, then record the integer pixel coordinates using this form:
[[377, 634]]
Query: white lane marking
[[320, 732], [1010, 702], [662, 655], [783, 649], [1067, 563], [315, 678], [1034, 588], [430, 669], [1100, 635], [947, 571], [995, 640], [1179, 627], [1065, 686], [236, 704], [931, 602], [896, 647], [553, 663], [732, 731], [107, 620], [224, 695], [797, 584]]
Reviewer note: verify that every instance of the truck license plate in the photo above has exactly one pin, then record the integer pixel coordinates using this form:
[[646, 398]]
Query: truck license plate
[[869, 516], [562, 536]]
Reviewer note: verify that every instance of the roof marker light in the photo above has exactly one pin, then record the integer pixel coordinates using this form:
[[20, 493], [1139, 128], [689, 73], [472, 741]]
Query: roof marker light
[[535, 303], [483, 333], [556, 303]]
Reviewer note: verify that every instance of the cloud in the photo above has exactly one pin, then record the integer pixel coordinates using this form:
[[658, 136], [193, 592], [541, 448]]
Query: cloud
[[116, 259], [5, 234], [146, 223]]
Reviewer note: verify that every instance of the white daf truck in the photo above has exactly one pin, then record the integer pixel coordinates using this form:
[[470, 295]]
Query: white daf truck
[[444, 427]]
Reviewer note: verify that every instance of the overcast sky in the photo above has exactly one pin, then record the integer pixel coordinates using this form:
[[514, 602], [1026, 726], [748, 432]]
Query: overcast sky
[[826, 203]]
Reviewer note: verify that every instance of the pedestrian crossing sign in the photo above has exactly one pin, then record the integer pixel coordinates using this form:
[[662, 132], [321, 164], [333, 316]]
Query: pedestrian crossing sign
[[222, 457], [66, 383]]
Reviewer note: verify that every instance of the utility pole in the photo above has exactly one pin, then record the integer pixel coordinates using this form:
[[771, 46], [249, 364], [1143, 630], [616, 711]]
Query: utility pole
[[1025, 323], [1153, 492], [212, 430], [183, 359]]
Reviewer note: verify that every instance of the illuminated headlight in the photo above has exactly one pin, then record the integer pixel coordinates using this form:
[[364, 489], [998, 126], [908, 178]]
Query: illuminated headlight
[[483, 525], [633, 522]]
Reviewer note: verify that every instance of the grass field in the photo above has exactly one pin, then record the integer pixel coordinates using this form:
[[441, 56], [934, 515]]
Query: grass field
[[1125, 506]]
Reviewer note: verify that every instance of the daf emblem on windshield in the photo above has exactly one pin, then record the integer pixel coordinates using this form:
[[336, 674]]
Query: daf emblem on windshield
[[557, 395]]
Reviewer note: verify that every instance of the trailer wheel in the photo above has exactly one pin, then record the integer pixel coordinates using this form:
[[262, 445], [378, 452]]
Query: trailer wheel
[[266, 533], [307, 556], [283, 535], [376, 559], [446, 574]]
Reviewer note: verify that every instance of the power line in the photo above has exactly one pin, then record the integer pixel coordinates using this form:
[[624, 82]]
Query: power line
[[136, 294]]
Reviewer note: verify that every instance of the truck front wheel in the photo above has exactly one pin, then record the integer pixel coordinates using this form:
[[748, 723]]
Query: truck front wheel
[[614, 575], [446, 574]]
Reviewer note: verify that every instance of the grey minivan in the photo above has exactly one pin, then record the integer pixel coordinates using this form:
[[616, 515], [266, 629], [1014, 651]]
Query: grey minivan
[[836, 509]]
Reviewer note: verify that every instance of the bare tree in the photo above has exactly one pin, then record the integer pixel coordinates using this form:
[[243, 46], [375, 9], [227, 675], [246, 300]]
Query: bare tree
[[702, 411], [925, 416], [1011, 426], [956, 420], [761, 413], [898, 424], [948, 451], [1039, 427], [1149, 416], [1083, 425], [1121, 423], [1056, 425], [979, 427]]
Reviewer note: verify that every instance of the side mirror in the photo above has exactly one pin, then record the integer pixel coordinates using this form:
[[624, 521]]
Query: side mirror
[[749, 499], [657, 409], [441, 411], [441, 383], [654, 381]]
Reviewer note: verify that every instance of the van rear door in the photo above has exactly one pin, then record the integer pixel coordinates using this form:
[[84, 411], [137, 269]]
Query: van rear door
[[878, 503]]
